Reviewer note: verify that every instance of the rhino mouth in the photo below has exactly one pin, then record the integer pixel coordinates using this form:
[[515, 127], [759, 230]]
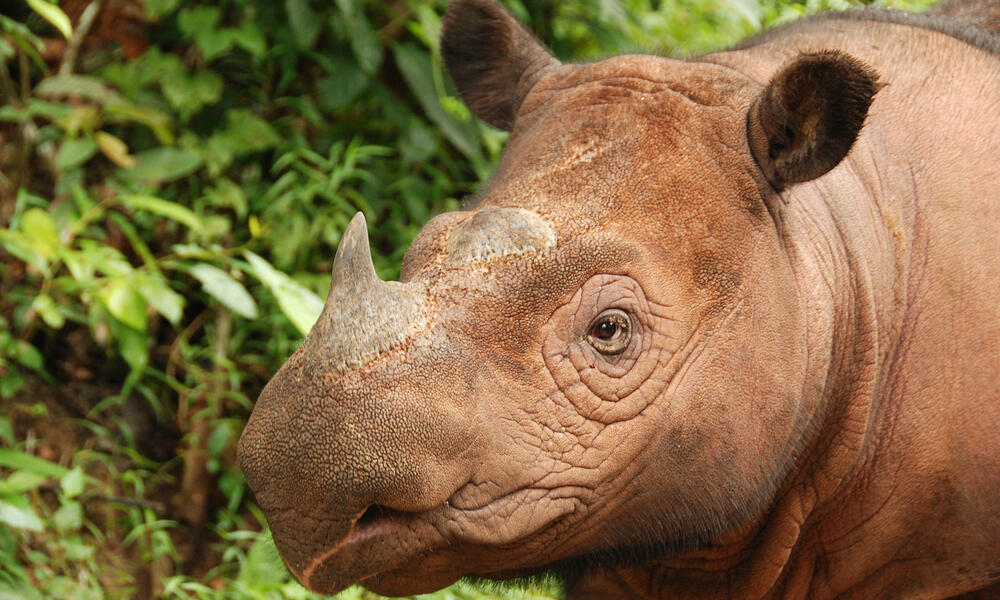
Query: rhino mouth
[[379, 540], [403, 553], [377, 512]]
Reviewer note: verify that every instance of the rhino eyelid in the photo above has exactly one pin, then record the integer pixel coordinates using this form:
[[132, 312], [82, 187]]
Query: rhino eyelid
[[610, 333]]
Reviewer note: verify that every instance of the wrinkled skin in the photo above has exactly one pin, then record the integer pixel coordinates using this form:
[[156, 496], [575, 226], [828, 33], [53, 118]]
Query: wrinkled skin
[[807, 400]]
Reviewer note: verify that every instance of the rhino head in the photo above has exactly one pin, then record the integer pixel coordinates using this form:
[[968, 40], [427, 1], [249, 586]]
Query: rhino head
[[604, 359]]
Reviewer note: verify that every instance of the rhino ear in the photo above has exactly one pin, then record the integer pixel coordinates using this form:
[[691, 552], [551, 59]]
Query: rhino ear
[[807, 118], [492, 59]]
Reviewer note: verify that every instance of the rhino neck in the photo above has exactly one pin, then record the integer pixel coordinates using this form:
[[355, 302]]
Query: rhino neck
[[849, 244]]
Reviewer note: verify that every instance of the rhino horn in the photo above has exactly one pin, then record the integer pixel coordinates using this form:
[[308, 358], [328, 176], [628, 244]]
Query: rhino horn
[[353, 268], [364, 317]]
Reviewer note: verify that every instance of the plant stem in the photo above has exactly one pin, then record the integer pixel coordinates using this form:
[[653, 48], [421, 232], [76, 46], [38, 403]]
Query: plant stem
[[82, 29]]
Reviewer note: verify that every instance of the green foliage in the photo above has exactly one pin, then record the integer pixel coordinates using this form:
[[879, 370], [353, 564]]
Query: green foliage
[[167, 226]]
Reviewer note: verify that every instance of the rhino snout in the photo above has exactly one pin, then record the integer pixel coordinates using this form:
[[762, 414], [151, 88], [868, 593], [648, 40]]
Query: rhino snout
[[337, 465]]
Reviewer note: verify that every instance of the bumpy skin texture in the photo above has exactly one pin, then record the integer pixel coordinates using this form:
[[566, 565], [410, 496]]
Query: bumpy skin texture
[[807, 404]]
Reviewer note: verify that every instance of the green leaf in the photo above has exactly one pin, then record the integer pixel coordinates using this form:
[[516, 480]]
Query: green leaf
[[6, 430], [74, 153], [19, 460], [85, 86], [7, 51], [164, 208], [11, 382], [54, 15], [250, 38], [26, 354], [158, 8], [226, 194], [20, 35], [189, 93], [304, 22], [21, 481], [16, 512], [158, 121], [417, 69], [160, 165], [78, 550], [14, 582], [253, 133], [123, 302], [339, 89], [192, 251], [218, 284], [134, 238], [301, 306], [49, 311], [218, 440], [233, 487], [42, 230], [22, 247], [94, 255], [133, 345], [155, 290], [245, 132], [364, 43], [263, 566], [198, 20], [116, 107], [35, 108], [215, 43], [72, 483], [418, 142], [115, 149]]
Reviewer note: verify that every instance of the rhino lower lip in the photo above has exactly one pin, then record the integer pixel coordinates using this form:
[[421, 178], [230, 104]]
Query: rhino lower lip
[[360, 556], [357, 556], [382, 539]]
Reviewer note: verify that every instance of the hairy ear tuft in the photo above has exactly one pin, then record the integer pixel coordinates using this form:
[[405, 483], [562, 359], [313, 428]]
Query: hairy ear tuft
[[492, 59], [808, 117]]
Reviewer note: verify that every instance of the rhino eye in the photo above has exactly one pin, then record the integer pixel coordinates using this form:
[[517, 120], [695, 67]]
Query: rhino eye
[[610, 332]]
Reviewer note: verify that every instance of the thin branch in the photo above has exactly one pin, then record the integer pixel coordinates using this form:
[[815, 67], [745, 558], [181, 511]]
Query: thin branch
[[25, 69], [82, 29], [88, 497], [156, 507], [10, 95], [7, 86]]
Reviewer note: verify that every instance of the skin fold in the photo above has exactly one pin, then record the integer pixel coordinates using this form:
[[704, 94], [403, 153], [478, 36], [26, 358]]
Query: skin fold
[[718, 328]]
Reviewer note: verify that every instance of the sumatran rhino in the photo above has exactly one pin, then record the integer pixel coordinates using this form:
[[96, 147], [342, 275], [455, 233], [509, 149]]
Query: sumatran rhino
[[720, 327]]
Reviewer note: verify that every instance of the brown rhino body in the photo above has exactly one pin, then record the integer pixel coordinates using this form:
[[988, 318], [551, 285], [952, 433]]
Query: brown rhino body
[[686, 345]]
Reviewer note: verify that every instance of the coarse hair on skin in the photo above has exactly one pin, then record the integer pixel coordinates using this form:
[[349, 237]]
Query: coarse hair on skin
[[810, 114], [513, 587], [492, 59], [971, 28], [662, 538]]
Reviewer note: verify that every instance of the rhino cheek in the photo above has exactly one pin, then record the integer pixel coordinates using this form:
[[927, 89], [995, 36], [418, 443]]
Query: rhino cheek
[[709, 398], [571, 442], [734, 425]]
